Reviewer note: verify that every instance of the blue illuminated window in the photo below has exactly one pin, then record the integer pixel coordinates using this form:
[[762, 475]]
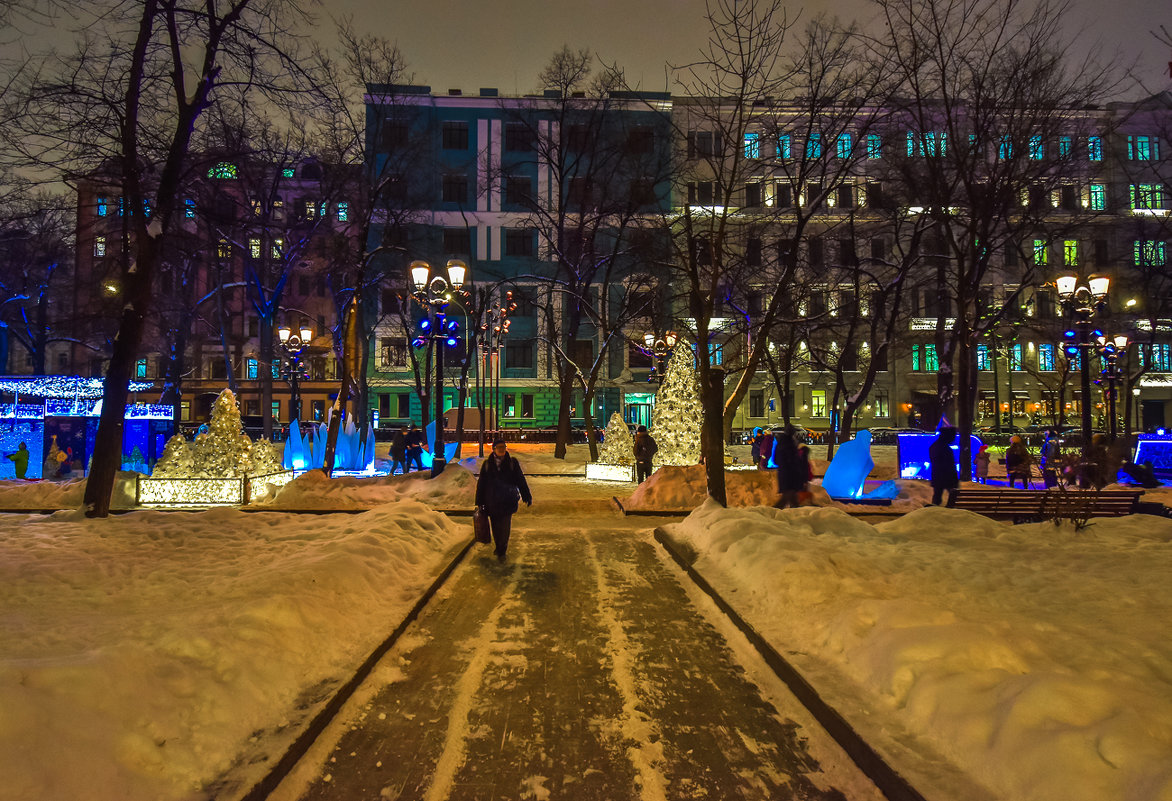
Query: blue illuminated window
[[251, 369], [1095, 148], [1065, 147], [983, 357], [1143, 148], [1005, 149], [1037, 148], [140, 368], [343, 211], [1046, 358], [814, 146], [874, 146], [784, 146], [752, 146], [844, 145], [1015, 356], [102, 208], [189, 208]]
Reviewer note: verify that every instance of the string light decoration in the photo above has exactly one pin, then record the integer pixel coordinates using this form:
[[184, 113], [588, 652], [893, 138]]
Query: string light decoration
[[616, 457], [676, 418], [62, 386]]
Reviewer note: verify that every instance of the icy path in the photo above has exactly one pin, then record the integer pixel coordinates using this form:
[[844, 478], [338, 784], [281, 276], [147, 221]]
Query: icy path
[[583, 668]]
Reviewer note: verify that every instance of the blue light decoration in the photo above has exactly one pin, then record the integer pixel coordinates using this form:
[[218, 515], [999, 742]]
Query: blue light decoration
[[425, 324], [912, 450], [452, 342], [449, 447], [452, 326], [68, 411], [1157, 449], [847, 472]]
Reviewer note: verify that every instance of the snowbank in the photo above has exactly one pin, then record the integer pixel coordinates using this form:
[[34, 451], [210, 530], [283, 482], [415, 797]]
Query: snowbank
[[1034, 657], [455, 488], [141, 654]]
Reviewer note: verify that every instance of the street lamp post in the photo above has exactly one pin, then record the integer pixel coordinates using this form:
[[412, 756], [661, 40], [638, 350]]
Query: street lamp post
[[494, 328], [1084, 302], [434, 293], [659, 348], [1113, 349], [294, 345]]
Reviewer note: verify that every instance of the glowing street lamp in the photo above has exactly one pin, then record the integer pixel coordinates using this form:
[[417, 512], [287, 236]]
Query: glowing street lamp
[[294, 345], [1084, 302]]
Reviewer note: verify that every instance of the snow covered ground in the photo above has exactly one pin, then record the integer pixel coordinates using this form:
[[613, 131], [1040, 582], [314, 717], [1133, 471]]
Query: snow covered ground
[[148, 655]]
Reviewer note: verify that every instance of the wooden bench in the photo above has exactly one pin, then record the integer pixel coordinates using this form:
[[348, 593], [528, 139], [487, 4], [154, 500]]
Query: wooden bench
[[1027, 506]]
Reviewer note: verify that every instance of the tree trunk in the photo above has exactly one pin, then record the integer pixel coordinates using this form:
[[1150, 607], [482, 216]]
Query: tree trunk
[[711, 438]]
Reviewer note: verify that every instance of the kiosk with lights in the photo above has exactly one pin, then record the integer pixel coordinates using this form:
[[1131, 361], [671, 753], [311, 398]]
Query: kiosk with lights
[[63, 411], [913, 454]]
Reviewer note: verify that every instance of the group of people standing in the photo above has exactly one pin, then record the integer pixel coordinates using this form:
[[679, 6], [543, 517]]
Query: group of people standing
[[407, 449], [781, 451]]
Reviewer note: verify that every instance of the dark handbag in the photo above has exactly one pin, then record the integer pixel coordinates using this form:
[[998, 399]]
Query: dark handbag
[[480, 526]]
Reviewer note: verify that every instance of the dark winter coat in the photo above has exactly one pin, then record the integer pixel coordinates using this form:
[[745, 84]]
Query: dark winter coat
[[1017, 460], [414, 441], [793, 467], [645, 446], [766, 447], [399, 446], [942, 462], [500, 486]]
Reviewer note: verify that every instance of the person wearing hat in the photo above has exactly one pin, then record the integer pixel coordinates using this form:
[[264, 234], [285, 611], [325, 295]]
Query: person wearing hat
[[498, 489]]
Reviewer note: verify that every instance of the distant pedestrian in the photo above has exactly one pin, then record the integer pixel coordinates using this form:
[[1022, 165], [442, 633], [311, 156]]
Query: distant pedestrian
[[498, 489], [20, 460], [399, 451], [414, 442], [942, 463], [1051, 456], [793, 472], [765, 450], [645, 449], [1017, 462], [981, 464]]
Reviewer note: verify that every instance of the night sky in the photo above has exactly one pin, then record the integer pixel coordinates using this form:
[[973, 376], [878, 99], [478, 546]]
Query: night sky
[[468, 44]]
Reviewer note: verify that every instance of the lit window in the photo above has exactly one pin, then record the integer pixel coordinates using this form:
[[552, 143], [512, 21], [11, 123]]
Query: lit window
[[844, 145], [1095, 148], [1065, 147], [818, 403], [874, 146], [752, 146], [278, 249], [928, 143], [1041, 253], [257, 208], [102, 207], [1046, 358], [1143, 148], [814, 146], [1037, 149], [1149, 253], [1015, 357], [140, 368], [982, 357], [1070, 253], [251, 369], [223, 170], [99, 246], [310, 210], [287, 172], [1005, 149], [784, 146], [1098, 197], [924, 358], [254, 248], [189, 209], [223, 249], [1147, 196], [343, 211]]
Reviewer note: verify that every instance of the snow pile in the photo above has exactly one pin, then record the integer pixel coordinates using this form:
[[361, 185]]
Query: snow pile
[[455, 488], [140, 654], [39, 495], [687, 487], [1034, 657]]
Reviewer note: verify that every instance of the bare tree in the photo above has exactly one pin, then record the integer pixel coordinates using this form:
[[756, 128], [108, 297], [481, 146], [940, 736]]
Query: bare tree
[[132, 95]]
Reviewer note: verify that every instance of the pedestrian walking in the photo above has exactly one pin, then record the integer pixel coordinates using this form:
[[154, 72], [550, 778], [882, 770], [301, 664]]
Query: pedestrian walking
[[645, 449], [942, 463], [399, 451], [766, 449], [1051, 456], [498, 489], [414, 443], [793, 472], [19, 460], [981, 465], [1017, 462]]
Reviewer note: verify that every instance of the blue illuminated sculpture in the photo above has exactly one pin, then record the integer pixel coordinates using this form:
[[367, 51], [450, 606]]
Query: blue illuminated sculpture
[[850, 467]]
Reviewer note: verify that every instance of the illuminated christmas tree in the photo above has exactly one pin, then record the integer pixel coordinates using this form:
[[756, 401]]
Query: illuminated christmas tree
[[617, 445], [224, 450], [177, 460], [676, 418]]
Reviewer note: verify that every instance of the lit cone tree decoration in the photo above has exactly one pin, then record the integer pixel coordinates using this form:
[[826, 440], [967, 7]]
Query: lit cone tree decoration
[[617, 445], [676, 418], [225, 450], [177, 460]]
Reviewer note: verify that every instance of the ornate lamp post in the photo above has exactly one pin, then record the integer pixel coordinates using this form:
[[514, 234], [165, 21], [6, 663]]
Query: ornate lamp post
[[494, 328], [1084, 302], [1113, 349], [659, 348], [294, 345], [434, 293]]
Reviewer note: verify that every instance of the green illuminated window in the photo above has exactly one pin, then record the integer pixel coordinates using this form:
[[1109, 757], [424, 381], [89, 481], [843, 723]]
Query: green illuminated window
[[1070, 253], [288, 172], [223, 170], [1149, 253], [1095, 148], [1065, 147], [1098, 197], [1143, 148], [1041, 252], [818, 403], [1147, 196]]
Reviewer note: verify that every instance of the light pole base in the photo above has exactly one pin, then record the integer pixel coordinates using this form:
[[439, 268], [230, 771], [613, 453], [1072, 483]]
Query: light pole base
[[437, 465]]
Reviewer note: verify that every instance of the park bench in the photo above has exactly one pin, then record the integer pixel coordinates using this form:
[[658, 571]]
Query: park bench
[[1026, 506]]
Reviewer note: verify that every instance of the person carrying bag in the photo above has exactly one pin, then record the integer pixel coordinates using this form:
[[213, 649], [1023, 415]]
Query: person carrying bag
[[499, 488]]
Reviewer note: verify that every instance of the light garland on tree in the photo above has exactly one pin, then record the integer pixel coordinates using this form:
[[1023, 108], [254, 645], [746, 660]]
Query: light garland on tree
[[677, 416], [618, 447]]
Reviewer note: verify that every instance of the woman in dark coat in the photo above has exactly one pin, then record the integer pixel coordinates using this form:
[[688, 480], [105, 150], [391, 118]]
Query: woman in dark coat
[[793, 470], [942, 463], [500, 486], [399, 451]]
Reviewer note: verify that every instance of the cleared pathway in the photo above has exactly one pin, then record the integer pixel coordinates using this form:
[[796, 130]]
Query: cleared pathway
[[583, 668]]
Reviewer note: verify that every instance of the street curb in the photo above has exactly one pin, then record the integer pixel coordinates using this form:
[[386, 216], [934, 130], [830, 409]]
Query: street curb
[[300, 746], [894, 786]]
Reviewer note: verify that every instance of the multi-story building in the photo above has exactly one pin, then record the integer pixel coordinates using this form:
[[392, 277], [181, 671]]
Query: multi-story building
[[254, 248]]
